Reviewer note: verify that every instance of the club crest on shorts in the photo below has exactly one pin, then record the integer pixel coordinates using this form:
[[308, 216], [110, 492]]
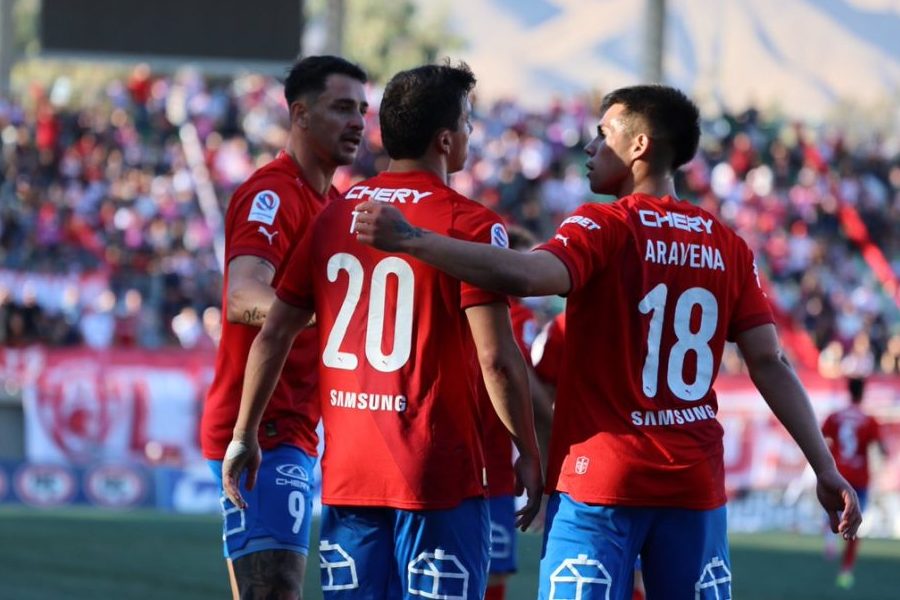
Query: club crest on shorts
[[264, 207]]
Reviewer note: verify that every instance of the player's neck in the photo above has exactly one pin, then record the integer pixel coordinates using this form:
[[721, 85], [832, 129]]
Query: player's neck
[[429, 165], [316, 173], [657, 185]]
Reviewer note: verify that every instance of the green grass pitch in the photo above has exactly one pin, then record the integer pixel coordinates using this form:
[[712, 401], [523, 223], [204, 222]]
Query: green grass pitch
[[77, 554]]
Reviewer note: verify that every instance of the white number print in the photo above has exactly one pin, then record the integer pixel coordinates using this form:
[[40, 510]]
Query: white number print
[[297, 509], [654, 303], [399, 354]]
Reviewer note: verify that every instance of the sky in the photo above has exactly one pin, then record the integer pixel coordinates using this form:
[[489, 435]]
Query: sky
[[797, 56]]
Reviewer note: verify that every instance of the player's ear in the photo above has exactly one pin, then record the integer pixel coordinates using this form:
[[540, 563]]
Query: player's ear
[[444, 141], [640, 146], [299, 113]]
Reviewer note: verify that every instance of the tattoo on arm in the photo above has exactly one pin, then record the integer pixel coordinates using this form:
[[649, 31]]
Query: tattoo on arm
[[407, 231], [254, 316]]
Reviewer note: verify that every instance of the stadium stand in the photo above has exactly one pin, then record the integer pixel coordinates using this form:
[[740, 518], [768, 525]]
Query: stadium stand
[[104, 239]]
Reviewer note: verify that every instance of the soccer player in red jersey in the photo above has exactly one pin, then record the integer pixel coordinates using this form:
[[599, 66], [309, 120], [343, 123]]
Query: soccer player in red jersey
[[849, 433], [655, 286], [266, 542], [498, 447], [405, 514]]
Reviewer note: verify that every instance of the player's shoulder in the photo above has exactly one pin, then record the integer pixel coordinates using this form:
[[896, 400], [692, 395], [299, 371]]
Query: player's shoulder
[[270, 184]]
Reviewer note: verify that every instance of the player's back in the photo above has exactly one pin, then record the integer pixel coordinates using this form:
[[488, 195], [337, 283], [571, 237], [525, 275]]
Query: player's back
[[397, 374], [851, 431], [658, 286]]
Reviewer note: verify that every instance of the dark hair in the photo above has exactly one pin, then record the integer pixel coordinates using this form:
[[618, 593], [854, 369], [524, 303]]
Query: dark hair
[[670, 116], [856, 386], [520, 238], [308, 75], [418, 103]]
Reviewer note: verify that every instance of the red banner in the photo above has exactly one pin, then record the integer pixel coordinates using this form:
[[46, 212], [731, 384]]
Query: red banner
[[83, 406]]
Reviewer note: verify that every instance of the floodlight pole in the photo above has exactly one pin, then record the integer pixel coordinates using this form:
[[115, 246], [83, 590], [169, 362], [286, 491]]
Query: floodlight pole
[[7, 47], [654, 32]]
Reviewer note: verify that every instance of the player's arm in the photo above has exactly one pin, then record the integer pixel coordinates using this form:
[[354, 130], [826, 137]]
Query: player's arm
[[542, 400], [483, 265], [783, 392], [268, 354], [250, 292], [506, 380]]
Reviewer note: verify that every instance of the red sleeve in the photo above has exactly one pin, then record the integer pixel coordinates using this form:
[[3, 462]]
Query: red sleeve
[[876, 431], [524, 326], [547, 351], [585, 241], [262, 224], [296, 286], [753, 307], [476, 223], [828, 428]]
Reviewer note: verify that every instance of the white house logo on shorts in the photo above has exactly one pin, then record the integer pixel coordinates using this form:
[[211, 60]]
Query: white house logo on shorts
[[581, 465], [499, 237], [338, 568], [265, 207], [714, 582], [438, 576], [580, 578]]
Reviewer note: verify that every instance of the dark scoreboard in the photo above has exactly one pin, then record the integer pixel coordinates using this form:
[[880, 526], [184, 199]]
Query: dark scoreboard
[[242, 30]]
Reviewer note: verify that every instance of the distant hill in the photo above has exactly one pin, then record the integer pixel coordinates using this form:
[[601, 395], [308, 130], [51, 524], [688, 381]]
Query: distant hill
[[803, 57]]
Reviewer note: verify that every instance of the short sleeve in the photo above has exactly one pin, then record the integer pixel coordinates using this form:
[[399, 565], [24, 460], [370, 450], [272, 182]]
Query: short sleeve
[[547, 351], [828, 428], [585, 241], [261, 223], [476, 223], [753, 307], [296, 285]]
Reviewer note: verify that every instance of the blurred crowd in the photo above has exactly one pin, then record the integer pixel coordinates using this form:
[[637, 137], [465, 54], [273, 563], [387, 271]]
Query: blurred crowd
[[105, 239]]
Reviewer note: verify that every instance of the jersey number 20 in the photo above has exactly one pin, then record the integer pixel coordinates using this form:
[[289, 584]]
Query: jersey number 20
[[654, 303], [332, 355]]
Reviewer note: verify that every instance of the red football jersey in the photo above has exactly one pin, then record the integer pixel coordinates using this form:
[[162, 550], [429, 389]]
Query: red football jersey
[[498, 448], [397, 369], [849, 432], [657, 287], [267, 214], [547, 350]]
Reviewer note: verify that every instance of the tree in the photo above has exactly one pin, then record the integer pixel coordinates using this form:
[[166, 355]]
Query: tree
[[386, 37]]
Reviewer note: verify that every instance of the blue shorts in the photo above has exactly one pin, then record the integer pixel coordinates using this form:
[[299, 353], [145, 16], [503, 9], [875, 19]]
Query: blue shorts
[[279, 507], [590, 551], [503, 535], [370, 553]]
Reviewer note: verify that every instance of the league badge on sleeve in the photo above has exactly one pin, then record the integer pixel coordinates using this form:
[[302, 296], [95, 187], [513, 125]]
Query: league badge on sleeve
[[499, 237], [264, 207]]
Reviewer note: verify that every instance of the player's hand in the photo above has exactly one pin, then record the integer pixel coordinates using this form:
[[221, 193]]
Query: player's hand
[[840, 502], [241, 455], [381, 225], [530, 479]]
